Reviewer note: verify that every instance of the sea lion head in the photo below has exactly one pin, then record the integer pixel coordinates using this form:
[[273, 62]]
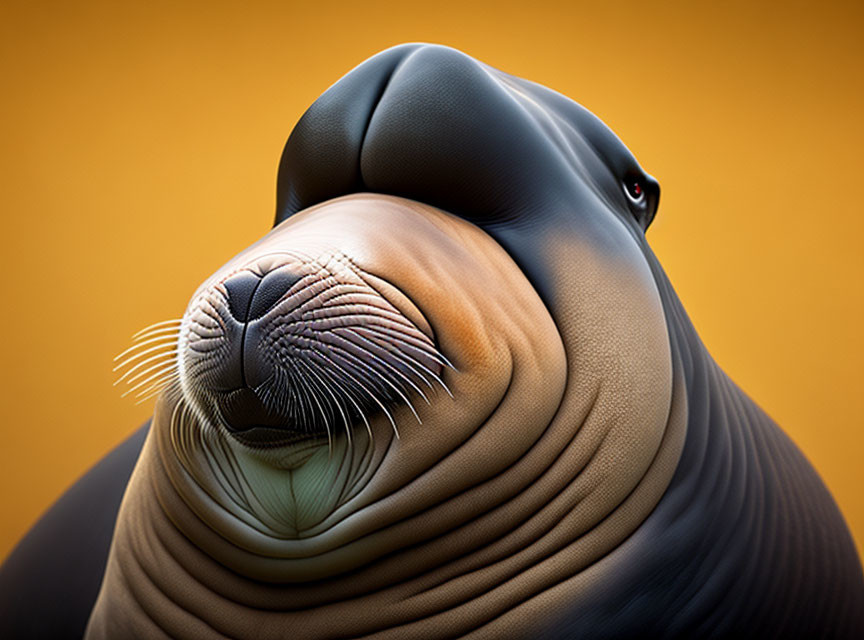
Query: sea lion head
[[454, 346]]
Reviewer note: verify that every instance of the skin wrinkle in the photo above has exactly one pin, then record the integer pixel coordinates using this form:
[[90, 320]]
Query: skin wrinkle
[[241, 499], [502, 397], [133, 606], [761, 509], [720, 478], [548, 588], [243, 488], [517, 525], [490, 614], [495, 627], [493, 634], [289, 477], [248, 491], [133, 601], [433, 607], [755, 508], [252, 521], [696, 374], [721, 580], [798, 550], [508, 575], [723, 583], [468, 488], [774, 552], [151, 599], [686, 591]]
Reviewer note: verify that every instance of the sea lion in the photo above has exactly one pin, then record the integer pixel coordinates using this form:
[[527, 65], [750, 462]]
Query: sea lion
[[452, 393]]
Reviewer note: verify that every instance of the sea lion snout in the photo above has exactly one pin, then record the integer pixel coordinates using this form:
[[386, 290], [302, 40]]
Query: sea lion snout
[[280, 350]]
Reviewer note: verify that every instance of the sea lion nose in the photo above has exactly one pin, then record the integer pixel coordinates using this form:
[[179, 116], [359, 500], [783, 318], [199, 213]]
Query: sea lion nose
[[250, 295]]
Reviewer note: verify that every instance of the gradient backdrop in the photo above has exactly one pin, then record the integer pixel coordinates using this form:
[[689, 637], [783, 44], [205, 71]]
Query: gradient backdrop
[[139, 149]]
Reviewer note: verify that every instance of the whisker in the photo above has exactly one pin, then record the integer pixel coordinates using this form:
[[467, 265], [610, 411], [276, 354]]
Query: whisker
[[298, 387], [389, 365], [157, 332], [426, 349], [162, 372], [150, 395], [146, 371], [324, 418], [176, 321], [403, 396], [349, 395], [141, 354], [336, 402], [154, 389], [437, 379], [374, 399], [434, 375], [167, 354], [348, 362], [394, 369], [162, 339]]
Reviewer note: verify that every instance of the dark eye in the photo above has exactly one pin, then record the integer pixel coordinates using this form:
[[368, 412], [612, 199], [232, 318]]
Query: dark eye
[[635, 191]]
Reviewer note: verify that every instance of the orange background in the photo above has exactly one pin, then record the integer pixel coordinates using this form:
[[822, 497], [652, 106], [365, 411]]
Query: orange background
[[140, 145]]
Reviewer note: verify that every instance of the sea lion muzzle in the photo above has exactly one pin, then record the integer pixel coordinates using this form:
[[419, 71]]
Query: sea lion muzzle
[[289, 347]]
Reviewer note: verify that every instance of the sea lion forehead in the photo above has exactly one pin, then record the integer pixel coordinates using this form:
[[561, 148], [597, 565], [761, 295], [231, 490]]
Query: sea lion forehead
[[432, 124]]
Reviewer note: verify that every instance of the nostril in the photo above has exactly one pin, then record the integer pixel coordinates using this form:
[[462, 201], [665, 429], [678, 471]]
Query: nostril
[[250, 296], [274, 285], [241, 288]]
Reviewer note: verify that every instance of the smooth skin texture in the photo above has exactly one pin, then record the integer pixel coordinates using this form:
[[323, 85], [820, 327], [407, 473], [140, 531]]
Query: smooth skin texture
[[643, 493]]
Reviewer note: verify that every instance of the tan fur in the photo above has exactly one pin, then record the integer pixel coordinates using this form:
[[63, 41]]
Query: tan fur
[[559, 440]]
